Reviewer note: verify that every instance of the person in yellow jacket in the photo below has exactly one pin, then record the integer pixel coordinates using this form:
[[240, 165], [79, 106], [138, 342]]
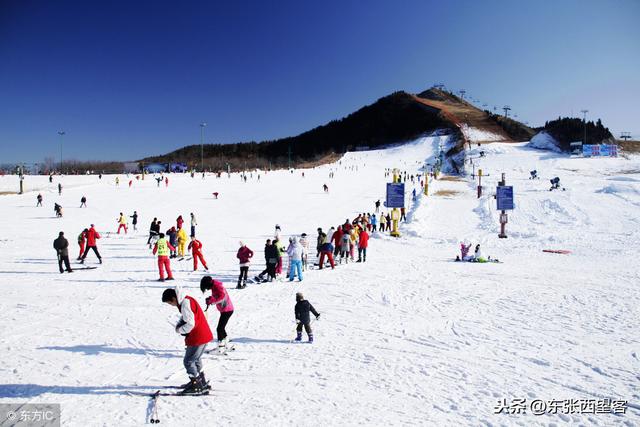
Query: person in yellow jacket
[[123, 223], [182, 242], [353, 237]]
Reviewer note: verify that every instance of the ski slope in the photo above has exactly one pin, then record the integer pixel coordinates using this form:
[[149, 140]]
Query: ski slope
[[407, 338]]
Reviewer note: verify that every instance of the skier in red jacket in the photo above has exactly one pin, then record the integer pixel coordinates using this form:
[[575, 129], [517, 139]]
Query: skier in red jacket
[[91, 235], [194, 327], [195, 246], [363, 243]]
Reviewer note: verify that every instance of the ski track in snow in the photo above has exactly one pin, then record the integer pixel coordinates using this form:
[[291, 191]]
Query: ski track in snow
[[408, 338]]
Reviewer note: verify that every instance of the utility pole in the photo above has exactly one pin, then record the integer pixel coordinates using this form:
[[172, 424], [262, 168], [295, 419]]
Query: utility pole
[[584, 119], [506, 109], [61, 133], [202, 126], [289, 152]]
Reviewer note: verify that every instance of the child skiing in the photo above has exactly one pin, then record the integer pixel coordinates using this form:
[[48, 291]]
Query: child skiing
[[162, 248], [81, 242], [83, 201], [302, 309], [195, 246], [220, 298], [194, 327], [173, 240], [193, 225]]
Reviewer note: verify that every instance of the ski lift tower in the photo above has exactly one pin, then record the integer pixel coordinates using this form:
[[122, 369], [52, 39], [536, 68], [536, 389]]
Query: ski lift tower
[[506, 109], [625, 136]]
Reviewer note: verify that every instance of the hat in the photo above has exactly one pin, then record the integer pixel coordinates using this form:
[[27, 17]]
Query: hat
[[299, 296], [92, 225], [61, 233], [304, 234]]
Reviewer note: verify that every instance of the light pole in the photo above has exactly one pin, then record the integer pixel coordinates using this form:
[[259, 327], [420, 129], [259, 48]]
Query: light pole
[[61, 133], [202, 126], [584, 112]]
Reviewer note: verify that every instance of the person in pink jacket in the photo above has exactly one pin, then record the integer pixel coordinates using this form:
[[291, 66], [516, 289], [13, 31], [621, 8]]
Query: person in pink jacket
[[219, 297], [244, 255]]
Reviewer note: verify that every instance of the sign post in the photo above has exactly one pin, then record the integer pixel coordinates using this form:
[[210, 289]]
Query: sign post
[[395, 200], [479, 183], [504, 197]]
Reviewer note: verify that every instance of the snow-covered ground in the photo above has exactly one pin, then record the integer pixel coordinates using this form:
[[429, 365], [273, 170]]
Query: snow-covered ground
[[408, 338], [473, 134]]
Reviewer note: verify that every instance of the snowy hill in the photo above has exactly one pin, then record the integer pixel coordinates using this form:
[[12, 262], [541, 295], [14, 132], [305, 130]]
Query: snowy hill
[[407, 338]]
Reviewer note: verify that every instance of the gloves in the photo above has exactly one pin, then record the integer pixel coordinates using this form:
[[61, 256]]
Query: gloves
[[209, 300], [180, 324], [297, 321], [318, 316]]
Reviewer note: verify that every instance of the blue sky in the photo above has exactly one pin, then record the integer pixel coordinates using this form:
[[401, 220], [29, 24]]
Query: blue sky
[[127, 79]]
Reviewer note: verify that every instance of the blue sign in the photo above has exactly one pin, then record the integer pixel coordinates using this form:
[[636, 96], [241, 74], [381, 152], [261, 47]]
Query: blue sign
[[605, 150], [504, 195], [587, 150], [395, 195]]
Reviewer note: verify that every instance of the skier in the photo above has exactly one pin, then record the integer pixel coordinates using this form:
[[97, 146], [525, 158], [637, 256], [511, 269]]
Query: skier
[[295, 253], [182, 242], [91, 235], [82, 239], [281, 251], [403, 216], [83, 201], [220, 298], [363, 243], [59, 189], [195, 246], [374, 223], [194, 327], [325, 187], [166, 181], [61, 245], [378, 206], [271, 255], [302, 309], [477, 255], [122, 221], [179, 221], [388, 221], [383, 222], [326, 250], [154, 230], [50, 179], [117, 181], [319, 241], [337, 241], [58, 210], [345, 241], [193, 225], [244, 255], [305, 254], [135, 220], [277, 232], [414, 192], [173, 240], [162, 247], [464, 252], [39, 198]]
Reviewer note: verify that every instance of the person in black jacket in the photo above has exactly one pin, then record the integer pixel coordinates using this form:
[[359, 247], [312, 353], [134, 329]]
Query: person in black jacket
[[135, 220], [271, 258], [302, 309], [61, 245], [154, 231]]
